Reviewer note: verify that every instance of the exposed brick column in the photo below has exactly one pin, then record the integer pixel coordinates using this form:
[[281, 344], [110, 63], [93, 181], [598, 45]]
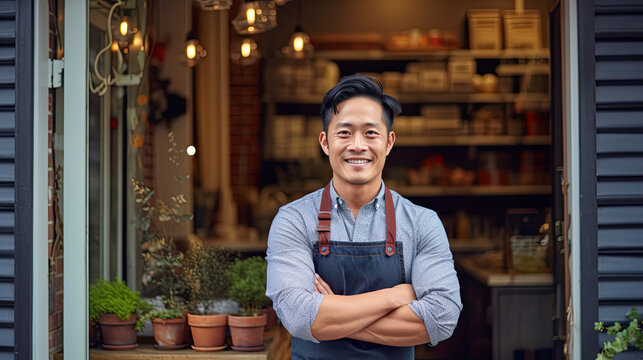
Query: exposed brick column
[[55, 253], [245, 139]]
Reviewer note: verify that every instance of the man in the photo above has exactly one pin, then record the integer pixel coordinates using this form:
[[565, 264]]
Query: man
[[356, 271]]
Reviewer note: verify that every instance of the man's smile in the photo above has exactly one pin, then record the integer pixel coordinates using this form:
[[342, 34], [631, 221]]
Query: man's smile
[[358, 162]]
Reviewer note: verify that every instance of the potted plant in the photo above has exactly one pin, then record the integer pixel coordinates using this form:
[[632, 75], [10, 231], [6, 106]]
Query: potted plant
[[162, 262], [205, 269], [248, 286], [120, 313], [169, 325], [624, 337]]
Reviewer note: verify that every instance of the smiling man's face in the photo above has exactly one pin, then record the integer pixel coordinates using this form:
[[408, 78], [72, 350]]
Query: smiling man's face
[[357, 142]]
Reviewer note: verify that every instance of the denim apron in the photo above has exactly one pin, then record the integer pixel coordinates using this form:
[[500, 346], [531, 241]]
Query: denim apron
[[352, 268]]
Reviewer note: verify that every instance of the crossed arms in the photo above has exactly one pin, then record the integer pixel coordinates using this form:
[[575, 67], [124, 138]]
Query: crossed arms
[[381, 316], [403, 315]]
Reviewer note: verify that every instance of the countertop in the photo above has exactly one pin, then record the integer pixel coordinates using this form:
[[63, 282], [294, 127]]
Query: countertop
[[494, 276]]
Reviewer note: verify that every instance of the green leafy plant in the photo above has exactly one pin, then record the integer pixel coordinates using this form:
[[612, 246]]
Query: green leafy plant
[[624, 337], [248, 284], [114, 297], [172, 309], [205, 268], [162, 262]]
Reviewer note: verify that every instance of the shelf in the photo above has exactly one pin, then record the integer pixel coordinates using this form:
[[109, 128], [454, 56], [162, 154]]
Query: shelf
[[476, 190], [427, 98], [470, 140], [429, 55], [472, 245]]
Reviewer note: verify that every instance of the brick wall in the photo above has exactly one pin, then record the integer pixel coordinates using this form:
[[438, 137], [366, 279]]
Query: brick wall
[[55, 253], [245, 130]]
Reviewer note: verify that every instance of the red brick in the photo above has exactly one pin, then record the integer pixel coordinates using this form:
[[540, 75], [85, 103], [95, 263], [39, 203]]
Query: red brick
[[244, 90], [58, 302], [244, 79], [59, 265]]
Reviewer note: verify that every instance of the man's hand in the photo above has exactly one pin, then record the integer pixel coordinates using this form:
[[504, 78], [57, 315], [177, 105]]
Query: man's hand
[[321, 286]]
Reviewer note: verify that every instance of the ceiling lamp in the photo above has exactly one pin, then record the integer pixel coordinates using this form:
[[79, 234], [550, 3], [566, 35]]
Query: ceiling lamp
[[215, 4], [255, 17], [194, 51], [299, 45], [281, 2], [246, 52]]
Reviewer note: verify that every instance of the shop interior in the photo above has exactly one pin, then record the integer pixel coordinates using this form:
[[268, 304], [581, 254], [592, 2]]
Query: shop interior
[[223, 122]]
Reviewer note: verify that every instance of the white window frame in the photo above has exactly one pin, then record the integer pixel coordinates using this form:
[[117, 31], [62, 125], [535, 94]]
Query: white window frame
[[75, 158]]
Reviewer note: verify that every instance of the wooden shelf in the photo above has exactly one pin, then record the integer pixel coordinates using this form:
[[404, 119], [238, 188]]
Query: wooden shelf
[[476, 190], [425, 98], [470, 140], [472, 245], [376, 54]]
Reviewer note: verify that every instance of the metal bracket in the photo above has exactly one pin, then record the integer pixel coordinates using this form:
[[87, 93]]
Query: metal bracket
[[55, 77]]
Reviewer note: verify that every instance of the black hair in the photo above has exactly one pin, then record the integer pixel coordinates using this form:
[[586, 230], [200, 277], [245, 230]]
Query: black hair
[[359, 85]]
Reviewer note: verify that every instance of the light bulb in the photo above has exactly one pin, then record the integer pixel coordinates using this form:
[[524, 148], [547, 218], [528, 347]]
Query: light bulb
[[298, 43], [190, 51], [191, 150], [245, 49], [250, 16], [115, 47], [123, 27], [137, 42], [251, 28]]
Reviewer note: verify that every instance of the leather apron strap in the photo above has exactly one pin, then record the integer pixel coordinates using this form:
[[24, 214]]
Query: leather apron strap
[[323, 225]]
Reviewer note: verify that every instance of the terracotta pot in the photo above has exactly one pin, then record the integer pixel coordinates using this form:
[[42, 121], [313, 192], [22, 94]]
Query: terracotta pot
[[92, 333], [116, 332], [247, 331], [208, 331], [271, 317], [169, 332]]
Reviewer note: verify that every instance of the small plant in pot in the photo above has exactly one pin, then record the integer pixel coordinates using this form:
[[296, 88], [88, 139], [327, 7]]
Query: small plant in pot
[[120, 313], [205, 268], [169, 325], [248, 286]]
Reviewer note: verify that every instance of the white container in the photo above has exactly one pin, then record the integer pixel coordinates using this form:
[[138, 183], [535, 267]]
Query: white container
[[462, 65], [485, 29], [432, 81], [522, 29]]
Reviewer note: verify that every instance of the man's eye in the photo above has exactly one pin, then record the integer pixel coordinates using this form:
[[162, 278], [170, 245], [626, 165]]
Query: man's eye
[[343, 133], [371, 132]]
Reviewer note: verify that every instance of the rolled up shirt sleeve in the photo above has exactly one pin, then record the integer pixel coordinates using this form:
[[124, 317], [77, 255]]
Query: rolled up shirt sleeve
[[434, 279], [291, 274]]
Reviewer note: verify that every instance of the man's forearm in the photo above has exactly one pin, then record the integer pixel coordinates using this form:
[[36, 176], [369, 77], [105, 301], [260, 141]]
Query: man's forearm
[[340, 316], [400, 327]]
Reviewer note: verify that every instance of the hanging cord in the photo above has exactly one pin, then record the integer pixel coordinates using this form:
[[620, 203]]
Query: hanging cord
[[105, 82]]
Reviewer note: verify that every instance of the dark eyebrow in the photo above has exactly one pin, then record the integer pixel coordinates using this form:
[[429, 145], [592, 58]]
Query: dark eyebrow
[[349, 125]]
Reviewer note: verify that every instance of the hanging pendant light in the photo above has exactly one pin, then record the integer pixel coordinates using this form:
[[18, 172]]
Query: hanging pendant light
[[246, 52], [255, 17], [281, 2], [194, 51], [215, 4], [299, 45]]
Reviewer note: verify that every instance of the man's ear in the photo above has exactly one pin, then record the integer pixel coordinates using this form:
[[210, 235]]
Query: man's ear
[[323, 142], [390, 141]]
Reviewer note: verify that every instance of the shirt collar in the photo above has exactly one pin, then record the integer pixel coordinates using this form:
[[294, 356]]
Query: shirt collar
[[335, 199]]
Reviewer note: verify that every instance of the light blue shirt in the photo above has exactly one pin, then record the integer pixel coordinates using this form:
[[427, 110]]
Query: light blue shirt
[[428, 263]]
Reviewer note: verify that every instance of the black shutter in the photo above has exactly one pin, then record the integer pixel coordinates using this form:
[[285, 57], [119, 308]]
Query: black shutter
[[16, 144], [611, 47]]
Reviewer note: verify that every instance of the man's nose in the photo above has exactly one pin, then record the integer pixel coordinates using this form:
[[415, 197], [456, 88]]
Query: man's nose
[[358, 143]]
